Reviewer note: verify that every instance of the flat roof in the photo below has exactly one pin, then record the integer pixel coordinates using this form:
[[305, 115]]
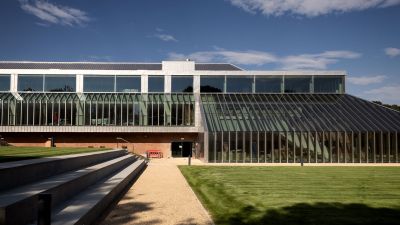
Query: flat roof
[[108, 66], [134, 68]]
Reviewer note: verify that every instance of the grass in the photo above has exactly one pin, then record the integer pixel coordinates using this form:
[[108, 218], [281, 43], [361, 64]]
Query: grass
[[298, 195], [10, 153]]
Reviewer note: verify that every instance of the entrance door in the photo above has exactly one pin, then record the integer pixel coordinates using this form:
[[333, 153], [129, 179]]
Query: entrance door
[[181, 149]]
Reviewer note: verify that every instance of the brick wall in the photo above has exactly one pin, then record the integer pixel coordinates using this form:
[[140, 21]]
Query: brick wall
[[139, 142]]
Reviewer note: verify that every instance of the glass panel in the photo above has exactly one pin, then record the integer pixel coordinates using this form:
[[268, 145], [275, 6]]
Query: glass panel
[[4, 82], [30, 82], [211, 147], [240, 150], [219, 147], [239, 84], [297, 84], [327, 84], [60, 83], [98, 83], [268, 84], [182, 84], [156, 84], [128, 84], [262, 146], [212, 83], [232, 146], [254, 147]]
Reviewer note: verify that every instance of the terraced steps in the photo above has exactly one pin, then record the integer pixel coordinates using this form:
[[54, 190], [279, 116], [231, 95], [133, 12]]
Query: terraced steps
[[26, 171], [101, 182], [85, 208]]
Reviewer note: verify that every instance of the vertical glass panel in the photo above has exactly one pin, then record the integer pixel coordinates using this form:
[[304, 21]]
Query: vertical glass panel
[[212, 83], [98, 83], [211, 147], [156, 84], [247, 146], [219, 147], [240, 150], [136, 110], [180, 113], [254, 147], [276, 146], [60, 83], [128, 84], [262, 146], [4, 82], [182, 84], [268, 84], [297, 84], [328, 84], [225, 147], [30, 82], [269, 147], [347, 155], [239, 84], [342, 144], [312, 147], [232, 146]]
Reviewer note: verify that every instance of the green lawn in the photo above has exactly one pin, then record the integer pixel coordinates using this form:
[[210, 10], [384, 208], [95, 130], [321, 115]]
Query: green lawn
[[298, 195], [9, 153]]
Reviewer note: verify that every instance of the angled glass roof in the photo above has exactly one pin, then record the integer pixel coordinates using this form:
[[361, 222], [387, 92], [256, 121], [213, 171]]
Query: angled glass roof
[[296, 112]]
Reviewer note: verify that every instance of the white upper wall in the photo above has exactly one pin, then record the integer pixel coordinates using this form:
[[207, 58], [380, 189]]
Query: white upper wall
[[174, 68]]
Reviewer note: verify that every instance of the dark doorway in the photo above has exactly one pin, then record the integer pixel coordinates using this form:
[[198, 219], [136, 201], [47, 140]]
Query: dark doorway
[[181, 149]]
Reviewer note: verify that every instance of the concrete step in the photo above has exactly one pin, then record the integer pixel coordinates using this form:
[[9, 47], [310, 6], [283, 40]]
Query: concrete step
[[88, 206], [14, 174], [19, 206]]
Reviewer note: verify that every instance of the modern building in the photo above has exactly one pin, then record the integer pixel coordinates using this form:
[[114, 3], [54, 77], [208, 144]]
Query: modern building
[[219, 111]]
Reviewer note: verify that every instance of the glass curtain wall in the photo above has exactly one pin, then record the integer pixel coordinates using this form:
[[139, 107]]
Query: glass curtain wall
[[5, 82], [181, 84], [327, 84], [97, 109], [156, 83], [239, 84], [212, 83], [295, 128], [268, 84]]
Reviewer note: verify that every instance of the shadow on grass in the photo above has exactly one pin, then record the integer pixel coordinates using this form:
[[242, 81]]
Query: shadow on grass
[[318, 214]]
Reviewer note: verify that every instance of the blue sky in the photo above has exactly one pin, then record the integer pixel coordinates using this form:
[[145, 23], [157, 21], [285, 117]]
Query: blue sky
[[359, 36]]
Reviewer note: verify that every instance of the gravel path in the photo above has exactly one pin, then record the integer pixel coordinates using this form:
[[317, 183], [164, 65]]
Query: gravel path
[[160, 196]]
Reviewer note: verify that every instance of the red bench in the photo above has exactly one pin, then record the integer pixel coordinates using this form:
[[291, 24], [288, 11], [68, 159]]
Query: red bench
[[154, 154]]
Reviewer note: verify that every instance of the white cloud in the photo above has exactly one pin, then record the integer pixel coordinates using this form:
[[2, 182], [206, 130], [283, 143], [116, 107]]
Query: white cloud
[[309, 8], [291, 62], [316, 61], [165, 37], [392, 52], [386, 94], [55, 14], [366, 80], [237, 57]]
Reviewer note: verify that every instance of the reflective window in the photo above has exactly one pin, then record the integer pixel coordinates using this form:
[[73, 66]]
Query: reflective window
[[30, 82], [128, 84], [297, 84], [59, 83], [327, 84], [212, 83], [98, 83], [268, 84], [4, 82], [182, 84], [239, 84], [156, 84]]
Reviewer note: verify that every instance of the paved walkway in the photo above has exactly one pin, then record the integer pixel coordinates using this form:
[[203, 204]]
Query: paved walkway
[[160, 196]]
